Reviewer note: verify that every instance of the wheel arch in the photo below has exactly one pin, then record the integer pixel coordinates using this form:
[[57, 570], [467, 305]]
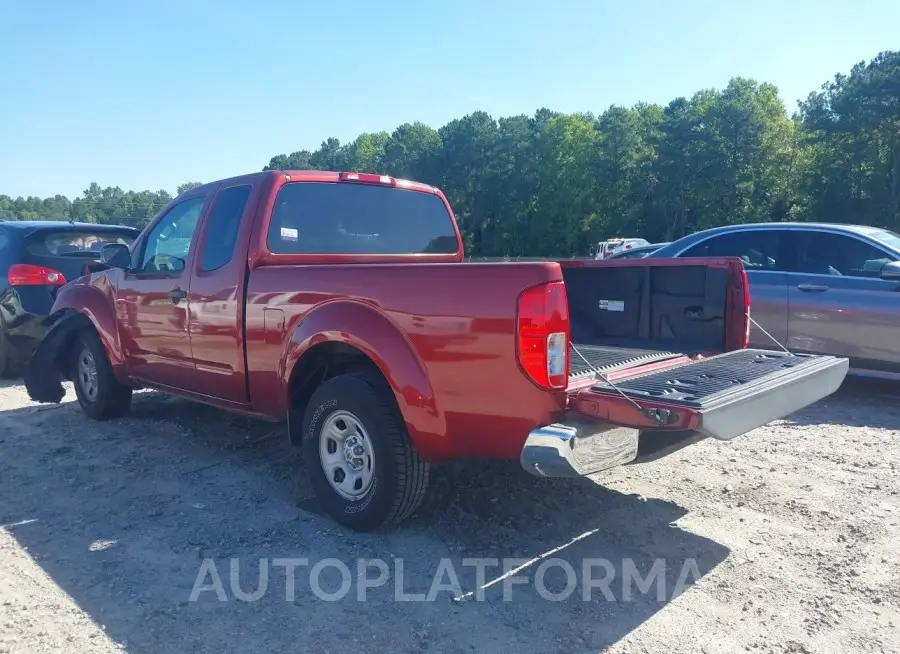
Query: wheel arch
[[95, 305], [319, 363], [52, 359], [345, 336]]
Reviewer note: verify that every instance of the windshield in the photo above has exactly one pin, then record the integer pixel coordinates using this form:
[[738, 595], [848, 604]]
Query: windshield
[[891, 239]]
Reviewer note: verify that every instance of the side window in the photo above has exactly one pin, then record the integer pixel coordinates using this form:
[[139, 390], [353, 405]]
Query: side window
[[757, 248], [823, 253], [169, 242], [222, 227]]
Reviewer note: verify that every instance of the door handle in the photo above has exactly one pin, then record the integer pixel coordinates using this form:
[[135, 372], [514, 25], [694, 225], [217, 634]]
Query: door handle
[[176, 295], [812, 288]]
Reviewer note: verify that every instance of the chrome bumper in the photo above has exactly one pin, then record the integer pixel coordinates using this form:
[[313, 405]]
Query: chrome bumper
[[576, 447]]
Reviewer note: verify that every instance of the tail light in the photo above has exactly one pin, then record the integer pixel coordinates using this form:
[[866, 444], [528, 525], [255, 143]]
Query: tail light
[[746, 283], [542, 326], [23, 274]]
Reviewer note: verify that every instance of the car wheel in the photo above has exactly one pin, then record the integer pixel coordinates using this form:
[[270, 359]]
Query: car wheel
[[99, 393], [5, 364], [357, 453]]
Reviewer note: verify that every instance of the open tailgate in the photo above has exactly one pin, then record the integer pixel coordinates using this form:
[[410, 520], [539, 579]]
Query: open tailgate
[[722, 396]]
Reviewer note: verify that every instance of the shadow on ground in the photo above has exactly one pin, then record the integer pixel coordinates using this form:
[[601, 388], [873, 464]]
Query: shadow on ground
[[121, 515], [859, 402]]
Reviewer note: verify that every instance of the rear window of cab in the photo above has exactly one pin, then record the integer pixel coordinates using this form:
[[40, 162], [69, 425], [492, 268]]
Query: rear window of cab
[[352, 218]]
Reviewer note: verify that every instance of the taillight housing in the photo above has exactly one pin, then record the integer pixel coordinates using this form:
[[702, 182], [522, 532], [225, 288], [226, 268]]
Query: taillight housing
[[23, 274], [543, 330]]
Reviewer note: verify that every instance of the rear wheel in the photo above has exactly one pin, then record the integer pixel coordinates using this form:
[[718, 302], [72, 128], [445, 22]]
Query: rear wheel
[[99, 393], [357, 453], [7, 370]]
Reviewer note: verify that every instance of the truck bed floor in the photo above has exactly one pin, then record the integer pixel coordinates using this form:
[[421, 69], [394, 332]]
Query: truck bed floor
[[586, 360]]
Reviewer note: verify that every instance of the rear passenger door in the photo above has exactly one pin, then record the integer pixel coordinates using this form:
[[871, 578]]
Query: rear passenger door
[[838, 302], [765, 255]]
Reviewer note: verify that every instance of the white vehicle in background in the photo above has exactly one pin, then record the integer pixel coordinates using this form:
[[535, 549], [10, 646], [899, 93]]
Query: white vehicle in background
[[613, 245]]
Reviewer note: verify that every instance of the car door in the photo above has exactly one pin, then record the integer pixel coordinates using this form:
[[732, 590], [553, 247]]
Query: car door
[[217, 296], [838, 302], [764, 255], [152, 298]]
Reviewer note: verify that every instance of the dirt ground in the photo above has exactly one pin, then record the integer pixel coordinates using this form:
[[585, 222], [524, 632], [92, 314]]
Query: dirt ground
[[793, 531]]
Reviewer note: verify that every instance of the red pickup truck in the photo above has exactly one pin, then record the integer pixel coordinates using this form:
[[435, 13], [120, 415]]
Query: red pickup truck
[[341, 303]]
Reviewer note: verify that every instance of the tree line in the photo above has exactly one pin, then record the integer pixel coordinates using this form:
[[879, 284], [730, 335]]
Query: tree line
[[553, 184]]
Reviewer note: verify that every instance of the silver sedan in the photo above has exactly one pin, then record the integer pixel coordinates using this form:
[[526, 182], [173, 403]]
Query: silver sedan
[[815, 287]]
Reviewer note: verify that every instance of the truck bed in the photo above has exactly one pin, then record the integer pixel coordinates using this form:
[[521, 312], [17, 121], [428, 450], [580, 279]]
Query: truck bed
[[588, 360], [626, 317]]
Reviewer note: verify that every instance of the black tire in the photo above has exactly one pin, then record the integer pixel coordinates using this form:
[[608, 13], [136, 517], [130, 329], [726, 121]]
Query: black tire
[[399, 476], [5, 371], [106, 397]]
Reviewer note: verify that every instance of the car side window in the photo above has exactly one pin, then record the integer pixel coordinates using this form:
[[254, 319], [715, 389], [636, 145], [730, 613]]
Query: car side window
[[222, 227], [757, 248], [826, 253], [169, 241]]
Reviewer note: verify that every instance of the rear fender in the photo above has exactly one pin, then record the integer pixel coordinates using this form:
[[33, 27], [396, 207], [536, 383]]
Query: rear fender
[[385, 344]]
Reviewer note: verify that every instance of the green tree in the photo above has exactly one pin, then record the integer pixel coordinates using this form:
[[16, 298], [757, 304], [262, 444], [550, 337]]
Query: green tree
[[553, 184], [851, 132], [187, 186]]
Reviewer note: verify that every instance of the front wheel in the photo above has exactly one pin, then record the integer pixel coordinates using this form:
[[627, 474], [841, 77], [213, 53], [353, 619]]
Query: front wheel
[[357, 453], [99, 393], [7, 370]]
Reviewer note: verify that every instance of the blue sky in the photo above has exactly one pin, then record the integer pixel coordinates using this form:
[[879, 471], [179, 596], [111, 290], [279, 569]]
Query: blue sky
[[146, 95]]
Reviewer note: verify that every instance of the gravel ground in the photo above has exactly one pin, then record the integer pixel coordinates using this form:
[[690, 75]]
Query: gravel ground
[[793, 531]]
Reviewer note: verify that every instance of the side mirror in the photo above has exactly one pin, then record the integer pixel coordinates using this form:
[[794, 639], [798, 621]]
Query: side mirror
[[891, 271], [116, 255]]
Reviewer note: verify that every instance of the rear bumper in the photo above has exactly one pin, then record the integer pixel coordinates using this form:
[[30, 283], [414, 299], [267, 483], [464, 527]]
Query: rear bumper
[[579, 446], [22, 314], [25, 336], [576, 447]]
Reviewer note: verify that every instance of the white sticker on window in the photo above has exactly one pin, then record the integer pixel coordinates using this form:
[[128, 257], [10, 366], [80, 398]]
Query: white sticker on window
[[611, 305], [289, 234]]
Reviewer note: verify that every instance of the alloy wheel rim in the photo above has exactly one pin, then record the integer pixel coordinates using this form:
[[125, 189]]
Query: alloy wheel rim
[[87, 375]]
